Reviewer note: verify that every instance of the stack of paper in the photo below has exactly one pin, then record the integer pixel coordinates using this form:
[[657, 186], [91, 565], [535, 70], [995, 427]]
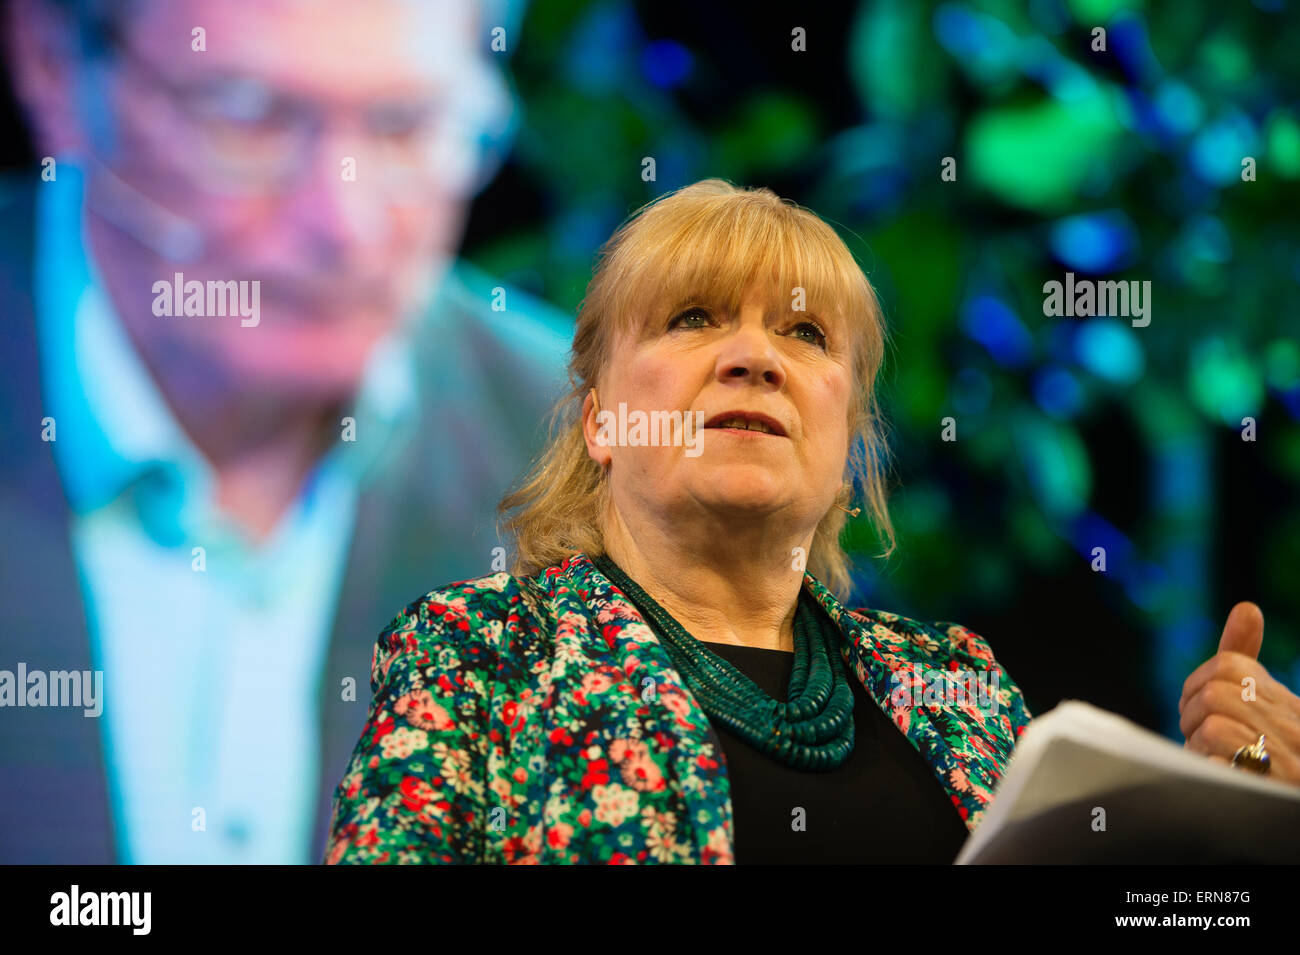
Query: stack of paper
[[1085, 785]]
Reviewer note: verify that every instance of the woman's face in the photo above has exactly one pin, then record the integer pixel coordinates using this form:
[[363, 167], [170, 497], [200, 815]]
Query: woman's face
[[790, 370]]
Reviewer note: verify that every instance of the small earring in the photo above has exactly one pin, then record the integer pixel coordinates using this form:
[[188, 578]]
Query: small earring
[[852, 512]]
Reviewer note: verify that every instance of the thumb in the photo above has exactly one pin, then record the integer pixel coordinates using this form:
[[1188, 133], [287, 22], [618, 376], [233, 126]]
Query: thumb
[[1244, 630]]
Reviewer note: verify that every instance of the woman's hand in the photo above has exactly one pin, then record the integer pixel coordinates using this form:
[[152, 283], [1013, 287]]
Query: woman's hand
[[1230, 699]]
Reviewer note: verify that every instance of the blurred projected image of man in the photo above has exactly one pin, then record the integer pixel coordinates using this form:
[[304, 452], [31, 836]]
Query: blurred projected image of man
[[252, 399]]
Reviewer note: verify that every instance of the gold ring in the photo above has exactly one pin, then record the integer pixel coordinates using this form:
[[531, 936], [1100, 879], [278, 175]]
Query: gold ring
[[1253, 757]]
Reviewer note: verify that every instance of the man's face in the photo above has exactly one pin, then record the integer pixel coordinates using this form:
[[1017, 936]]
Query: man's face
[[341, 233]]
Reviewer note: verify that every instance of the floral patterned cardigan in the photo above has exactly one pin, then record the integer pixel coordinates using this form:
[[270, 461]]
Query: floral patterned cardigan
[[539, 720]]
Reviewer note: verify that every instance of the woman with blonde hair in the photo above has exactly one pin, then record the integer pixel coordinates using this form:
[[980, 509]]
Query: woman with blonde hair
[[669, 674]]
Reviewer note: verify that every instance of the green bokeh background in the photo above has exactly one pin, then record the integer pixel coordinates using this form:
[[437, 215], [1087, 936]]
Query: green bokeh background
[[1120, 160]]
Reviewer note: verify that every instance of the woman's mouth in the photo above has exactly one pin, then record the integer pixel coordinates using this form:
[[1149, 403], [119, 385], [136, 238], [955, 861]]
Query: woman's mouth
[[748, 421]]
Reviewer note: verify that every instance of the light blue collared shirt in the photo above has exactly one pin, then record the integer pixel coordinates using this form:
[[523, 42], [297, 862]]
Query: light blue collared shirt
[[211, 645]]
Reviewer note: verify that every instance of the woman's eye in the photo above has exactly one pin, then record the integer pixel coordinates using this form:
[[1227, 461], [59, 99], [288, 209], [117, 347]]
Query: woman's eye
[[691, 318], [810, 332]]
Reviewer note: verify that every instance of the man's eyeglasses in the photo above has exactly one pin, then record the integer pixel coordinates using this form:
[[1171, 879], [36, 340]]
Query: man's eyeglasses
[[250, 138]]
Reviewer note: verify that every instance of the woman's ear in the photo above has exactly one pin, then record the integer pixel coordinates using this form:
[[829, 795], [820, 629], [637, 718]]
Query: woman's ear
[[597, 429]]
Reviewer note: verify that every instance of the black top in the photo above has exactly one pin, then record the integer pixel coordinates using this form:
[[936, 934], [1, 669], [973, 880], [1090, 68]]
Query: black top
[[884, 805]]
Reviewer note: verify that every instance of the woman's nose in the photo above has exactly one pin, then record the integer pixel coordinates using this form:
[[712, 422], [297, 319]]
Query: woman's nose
[[748, 353]]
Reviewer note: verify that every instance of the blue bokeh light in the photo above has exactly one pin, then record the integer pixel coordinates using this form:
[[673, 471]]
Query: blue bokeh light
[[993, 324], [1179, 107], [1094, 242], [666, 63], [1219, 148], [1110, 350], [1058, 392]]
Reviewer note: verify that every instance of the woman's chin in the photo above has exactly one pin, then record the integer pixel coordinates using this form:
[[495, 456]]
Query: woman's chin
[[740, 496]]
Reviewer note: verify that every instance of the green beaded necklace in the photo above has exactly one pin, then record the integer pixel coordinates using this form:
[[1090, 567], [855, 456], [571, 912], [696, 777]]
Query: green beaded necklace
[[813, 731]]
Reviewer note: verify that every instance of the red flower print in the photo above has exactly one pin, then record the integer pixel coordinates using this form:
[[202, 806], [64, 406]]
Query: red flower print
[[597, 773], [369, 836], [638, 770], [383, 729], [415, 793], [609, 633], [557, 837], [336, 852], [352, 786], [422, 712]]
